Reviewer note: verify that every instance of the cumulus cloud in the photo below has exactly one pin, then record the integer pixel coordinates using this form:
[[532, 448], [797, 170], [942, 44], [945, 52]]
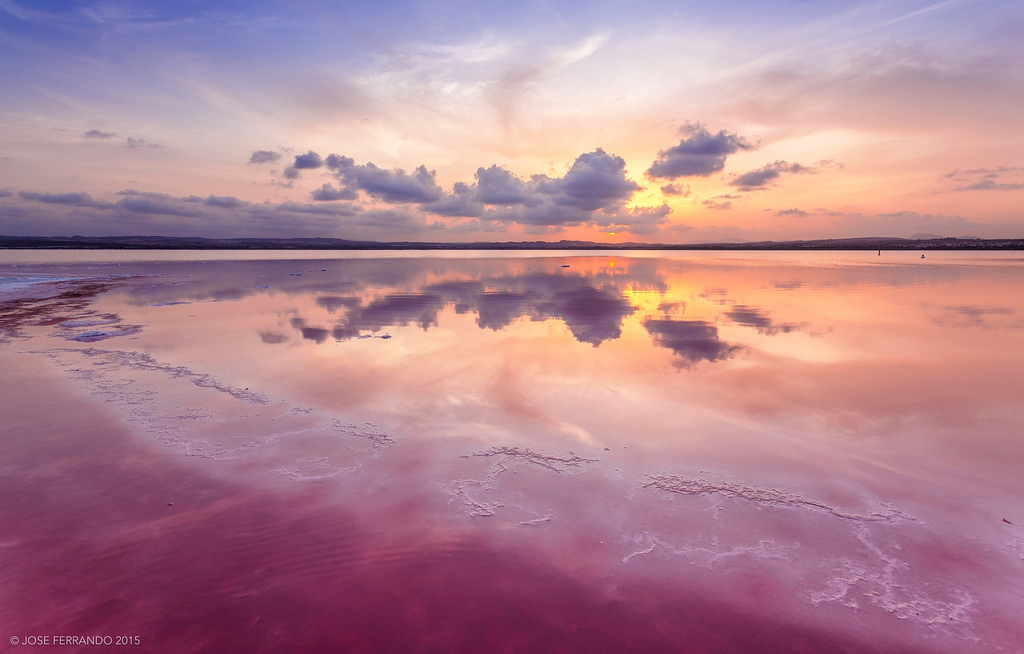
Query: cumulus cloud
[[496, 185], [337, 162], [461, 202], [328, 193], [595, 181], [263, 156], [700, 153], [792, 212], [97, 134], [308, 161], [593, 191], [395, 186], [5, 193]]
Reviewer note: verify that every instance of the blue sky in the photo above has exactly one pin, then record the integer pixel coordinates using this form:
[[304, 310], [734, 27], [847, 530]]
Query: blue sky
[[852, 119]]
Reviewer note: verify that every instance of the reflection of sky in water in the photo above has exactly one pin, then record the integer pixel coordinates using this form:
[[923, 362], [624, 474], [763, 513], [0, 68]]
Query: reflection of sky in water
[[842, 436]]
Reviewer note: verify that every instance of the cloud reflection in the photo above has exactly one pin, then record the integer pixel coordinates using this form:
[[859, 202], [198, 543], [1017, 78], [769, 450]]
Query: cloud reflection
[[758, 319], [592, 314], [593, 311], [690, 340]]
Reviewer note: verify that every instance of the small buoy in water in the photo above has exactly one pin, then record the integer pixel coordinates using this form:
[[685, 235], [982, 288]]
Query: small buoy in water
[[170, 504]]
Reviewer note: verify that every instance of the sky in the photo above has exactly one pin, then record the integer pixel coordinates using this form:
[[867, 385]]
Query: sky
[[431, 120]]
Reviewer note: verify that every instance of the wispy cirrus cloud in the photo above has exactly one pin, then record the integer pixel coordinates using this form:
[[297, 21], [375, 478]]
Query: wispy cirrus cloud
[[140, 144], [264, 156], [760, 320], [97, 134], [720, 202], [681, 190], [760, 178], [80, 199], [1000, 178]]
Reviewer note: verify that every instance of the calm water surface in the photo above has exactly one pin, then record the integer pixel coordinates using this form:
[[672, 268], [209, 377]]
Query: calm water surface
[[694, 452]]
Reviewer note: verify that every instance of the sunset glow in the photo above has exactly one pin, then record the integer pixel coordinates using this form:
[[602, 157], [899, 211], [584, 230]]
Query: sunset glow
[[429, 326], [656, 121]]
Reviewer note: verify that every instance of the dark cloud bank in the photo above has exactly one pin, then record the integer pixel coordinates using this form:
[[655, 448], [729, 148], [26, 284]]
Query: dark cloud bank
[[360, 202], [365, 201], [594, 191]]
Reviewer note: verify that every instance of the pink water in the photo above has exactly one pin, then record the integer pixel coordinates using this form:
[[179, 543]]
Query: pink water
[[742, 453]]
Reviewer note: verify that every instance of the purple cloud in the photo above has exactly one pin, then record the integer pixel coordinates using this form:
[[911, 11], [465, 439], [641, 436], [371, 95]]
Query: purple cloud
[[263, 156], [699, 154], [308, 161], [328, 193], [394, 186]]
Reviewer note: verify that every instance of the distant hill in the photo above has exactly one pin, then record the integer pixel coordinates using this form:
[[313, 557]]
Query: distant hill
[[195, 243]]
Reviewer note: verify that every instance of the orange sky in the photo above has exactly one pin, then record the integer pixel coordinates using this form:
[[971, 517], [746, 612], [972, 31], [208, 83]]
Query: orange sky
[[854, 120]]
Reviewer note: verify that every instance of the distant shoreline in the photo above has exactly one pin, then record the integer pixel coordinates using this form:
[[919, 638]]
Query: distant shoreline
[[191, 243]]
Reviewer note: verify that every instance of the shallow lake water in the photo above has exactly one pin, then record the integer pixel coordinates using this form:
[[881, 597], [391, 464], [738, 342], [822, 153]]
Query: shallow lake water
[[530, 451]]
